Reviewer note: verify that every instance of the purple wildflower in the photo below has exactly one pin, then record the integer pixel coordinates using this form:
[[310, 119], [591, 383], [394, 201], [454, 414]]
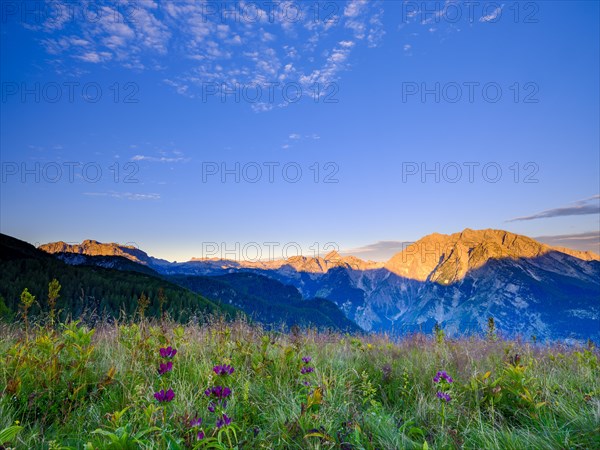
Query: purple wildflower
[[218, 392], [200, 435], [306, 370], [196, 422], [444, 396], [224, 421], [306, 359], [442, 375], [168, 352], [212, 406], [225, 369], [163, 396], [164, 368]]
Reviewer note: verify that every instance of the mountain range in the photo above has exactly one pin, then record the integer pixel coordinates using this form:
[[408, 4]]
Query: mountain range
[[101, 281], [457, 281]]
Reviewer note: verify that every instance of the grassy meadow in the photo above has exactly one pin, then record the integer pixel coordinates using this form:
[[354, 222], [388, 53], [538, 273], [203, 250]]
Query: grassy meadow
[[225, 384]]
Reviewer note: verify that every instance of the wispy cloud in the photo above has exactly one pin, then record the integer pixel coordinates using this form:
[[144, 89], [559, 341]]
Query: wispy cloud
[[297, 137], [364, 25], [161, 155], [125, 195], [378, 251], [125, 35], [161, 159], [253, 46], [588, 241], [491, 17], [586, 206]]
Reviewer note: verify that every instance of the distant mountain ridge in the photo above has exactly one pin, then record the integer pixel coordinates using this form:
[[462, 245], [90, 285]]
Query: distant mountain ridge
[[420, 260], [94, 248], [108, 262], [456, 280]]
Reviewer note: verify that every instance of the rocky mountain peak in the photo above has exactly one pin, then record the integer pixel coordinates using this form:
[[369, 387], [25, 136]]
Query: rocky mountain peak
[[448, 258], [333, 256], [91, 247]]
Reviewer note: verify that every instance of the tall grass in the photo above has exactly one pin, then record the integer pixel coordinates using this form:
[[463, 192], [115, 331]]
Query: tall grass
[[71, 387]]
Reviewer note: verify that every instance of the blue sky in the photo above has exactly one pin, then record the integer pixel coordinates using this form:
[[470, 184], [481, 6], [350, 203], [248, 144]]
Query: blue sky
[[119, 118]]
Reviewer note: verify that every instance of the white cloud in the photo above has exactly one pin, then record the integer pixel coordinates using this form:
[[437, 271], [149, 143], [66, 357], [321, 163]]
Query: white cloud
[[161, 159], [363, 24], [125, 195], [294, 138], [181, 88], [207, 47], [329, 73], [492, 16], [266, 36], [94, 57]]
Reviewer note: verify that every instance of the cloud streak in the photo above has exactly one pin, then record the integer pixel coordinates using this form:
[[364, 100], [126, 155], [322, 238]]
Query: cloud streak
[[297, 137], [124, 195], [162, 159], [492, 16], [378, 251], [588, 241], [580, 208]]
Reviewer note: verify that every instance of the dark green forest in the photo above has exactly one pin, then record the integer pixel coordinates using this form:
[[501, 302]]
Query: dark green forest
[[89, 292], [268, 301]]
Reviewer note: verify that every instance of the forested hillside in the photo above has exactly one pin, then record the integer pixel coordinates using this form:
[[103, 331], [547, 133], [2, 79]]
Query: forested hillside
[[91, 292]]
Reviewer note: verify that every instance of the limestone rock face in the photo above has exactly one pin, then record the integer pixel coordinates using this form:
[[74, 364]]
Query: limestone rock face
[[324, 264], [447, 259], [95, 248]]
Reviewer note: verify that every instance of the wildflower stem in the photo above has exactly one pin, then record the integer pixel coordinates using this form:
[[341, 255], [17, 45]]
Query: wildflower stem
[[443, 415]]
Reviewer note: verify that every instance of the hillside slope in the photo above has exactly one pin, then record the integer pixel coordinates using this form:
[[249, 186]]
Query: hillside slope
[[88, 290], [268, 301]]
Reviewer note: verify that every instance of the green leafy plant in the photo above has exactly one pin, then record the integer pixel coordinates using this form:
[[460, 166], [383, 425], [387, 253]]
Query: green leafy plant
[[9, 434], [52, 373], [119, 436], [438, 332], [491, 334], [26, 302], [53, 295]]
